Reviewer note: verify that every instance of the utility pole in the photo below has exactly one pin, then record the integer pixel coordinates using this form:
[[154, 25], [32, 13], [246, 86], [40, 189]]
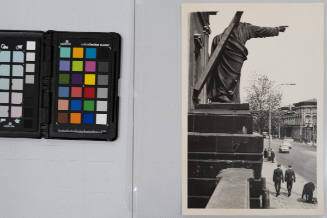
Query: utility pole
[[269, 122], [269, 125]]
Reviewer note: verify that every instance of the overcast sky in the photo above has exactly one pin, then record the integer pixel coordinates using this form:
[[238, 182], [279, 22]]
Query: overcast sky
[[295, 56]]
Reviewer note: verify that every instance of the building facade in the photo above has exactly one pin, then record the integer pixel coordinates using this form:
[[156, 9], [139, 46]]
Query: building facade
[[199, 54], [300, 121]]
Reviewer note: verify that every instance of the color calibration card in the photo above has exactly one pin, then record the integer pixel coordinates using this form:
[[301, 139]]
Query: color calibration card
[[19, 58], [85, 89], [59, 84]]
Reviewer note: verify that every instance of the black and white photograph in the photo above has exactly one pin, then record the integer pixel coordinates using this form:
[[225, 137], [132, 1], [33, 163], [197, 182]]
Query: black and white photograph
[[252, 108]]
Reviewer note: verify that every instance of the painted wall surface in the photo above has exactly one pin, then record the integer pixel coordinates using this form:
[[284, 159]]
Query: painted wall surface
[[69, 178]]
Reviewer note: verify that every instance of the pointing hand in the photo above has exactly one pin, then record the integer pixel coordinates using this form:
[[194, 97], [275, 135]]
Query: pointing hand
[[282, 28]]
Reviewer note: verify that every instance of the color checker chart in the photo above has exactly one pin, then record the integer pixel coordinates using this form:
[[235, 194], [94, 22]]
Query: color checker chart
[[85, 88], [83, 85]]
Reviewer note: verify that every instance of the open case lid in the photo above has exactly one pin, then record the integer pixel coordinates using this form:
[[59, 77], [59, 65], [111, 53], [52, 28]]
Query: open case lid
[[21, 54]]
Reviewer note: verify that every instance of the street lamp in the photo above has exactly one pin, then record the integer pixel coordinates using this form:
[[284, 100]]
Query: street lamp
[[269, 124]]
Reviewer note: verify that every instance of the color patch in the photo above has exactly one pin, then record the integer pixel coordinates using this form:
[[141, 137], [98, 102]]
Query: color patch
[[17, 70], [88, 118], [30, 56], [18, 56], [63, 79], [30, 68], [64, 65], [89, 79], [65, 52], [16, 98], [76, 92], [4, 97], [63, 91], [17, 84], [30, 45], [77, 66], [4, 111], [90, 53], [4, 56], [101, 119], [103, 79], [103, 67], [75, 105], [4, 84], [103, 53], [75, 118], [29, 79], [78, 52], [16, 111], [89, 92], [88, 105], [77, 79], [90, 66], [62, 117], [4, 70], [102, 92], [63, 104], [101, 105]]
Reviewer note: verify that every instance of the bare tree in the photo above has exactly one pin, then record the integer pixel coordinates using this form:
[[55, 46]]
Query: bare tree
[[263, 95]]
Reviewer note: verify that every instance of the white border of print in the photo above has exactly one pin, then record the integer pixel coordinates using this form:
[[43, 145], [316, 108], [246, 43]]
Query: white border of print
[[187, 8]]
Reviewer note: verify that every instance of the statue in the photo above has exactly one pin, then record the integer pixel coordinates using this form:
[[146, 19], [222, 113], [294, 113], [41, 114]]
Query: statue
[[224, 80]]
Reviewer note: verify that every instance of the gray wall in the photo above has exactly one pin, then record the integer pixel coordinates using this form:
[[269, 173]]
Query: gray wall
[[61, 178]]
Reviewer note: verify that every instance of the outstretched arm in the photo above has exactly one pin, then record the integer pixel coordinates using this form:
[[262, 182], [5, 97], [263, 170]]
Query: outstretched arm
[[261, 32]]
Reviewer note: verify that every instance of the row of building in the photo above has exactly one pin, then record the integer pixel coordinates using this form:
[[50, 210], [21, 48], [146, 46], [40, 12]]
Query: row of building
[[299, 121]]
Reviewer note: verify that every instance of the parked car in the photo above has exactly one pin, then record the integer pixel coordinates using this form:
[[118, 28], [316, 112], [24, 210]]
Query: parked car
[[284, 147]]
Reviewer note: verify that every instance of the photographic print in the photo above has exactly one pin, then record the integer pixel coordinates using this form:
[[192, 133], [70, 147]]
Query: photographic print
[[252, 108]]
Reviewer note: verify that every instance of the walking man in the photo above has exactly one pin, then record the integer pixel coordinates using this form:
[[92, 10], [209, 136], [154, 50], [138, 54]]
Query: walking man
[[278, 178], [269, 154], [272, 156], [289, 178], [265, 153]]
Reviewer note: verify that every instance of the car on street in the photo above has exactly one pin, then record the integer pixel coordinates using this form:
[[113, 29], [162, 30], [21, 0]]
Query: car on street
[[288, 141], [284, 147]]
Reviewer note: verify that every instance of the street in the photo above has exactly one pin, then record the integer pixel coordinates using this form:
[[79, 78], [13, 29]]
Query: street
[[302, 157]]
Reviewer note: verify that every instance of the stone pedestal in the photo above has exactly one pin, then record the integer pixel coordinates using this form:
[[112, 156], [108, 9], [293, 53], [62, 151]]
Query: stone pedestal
[[220, 136]]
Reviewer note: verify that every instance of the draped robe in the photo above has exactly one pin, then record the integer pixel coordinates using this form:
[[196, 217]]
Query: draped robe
[[224, 81]]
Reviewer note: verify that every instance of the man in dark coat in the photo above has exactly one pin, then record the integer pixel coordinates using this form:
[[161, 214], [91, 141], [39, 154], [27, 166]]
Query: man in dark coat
[[224, 83], [265, 153], [272, 156], [289, 178], [278, 178]]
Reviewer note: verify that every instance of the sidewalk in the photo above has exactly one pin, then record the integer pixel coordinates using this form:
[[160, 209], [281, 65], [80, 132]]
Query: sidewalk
[[283, 201]]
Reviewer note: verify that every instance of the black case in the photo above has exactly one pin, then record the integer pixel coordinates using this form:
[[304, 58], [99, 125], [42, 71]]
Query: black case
[[44, 118]]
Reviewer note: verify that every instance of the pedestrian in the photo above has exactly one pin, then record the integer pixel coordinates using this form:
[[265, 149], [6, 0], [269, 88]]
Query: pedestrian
[[272, 156], [265, 153], [289, 178], [278, 178], [269, 154]]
